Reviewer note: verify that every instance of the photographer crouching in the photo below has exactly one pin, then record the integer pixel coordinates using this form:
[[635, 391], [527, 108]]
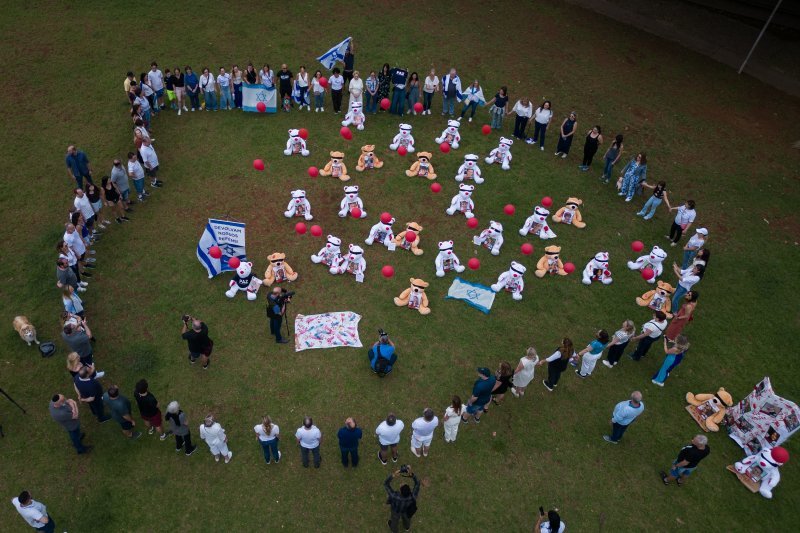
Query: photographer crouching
[[195, 332], [276, 309], [381, 356]]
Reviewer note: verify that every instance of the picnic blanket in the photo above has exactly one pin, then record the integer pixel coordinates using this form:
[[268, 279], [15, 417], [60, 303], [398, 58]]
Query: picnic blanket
[[478, 296], [328, 330]]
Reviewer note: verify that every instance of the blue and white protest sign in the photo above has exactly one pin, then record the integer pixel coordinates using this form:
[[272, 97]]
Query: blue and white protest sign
[[229, 237], [336, 53], [478, 296], [253, 93]]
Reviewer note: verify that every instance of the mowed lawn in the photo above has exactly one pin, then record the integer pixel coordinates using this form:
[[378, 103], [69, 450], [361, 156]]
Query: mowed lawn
[[721, 139]]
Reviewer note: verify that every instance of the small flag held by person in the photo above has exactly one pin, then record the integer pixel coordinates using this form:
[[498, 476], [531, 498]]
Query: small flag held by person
[[336, 53]]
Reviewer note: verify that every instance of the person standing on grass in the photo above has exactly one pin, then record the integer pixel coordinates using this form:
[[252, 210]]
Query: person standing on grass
[[552, 524], [473, 97], [65, 252], [251, 74], [119, 178], [179, 82], [192, 88], [268, 435], [683, 316], [430, 86], [399, 79], [129, 80], [557, 363], [155, 78], [213, 433], [148, 92], [688, 459], [94, 194], [113, 199], [236, 81], [336, 83], [687, 278], [451, 92], [77, 245], [74, 363], [659, 195], [611, 157], [591, 354], [78, 337], [403, 503], [673, 357], [594, 139], [523, 374], [224, 82], [148, 409], [169, 82], [634, 173], [371, 88], [90, 391], [422, 434], [209, 89], [145, 108], [66, 277], [33, 512], [200, 345], [140, 133], [349, 436], [702, 257], [503, 377], [567, 135], [690, 249], [413, 92], [388, 433], [78, 166], [276, 307], [384, 82], [120, 408], [624, 415], [302, 86], [541, 118], [65, 412], [651, 331], [309, 439], [151, 163], [356, 89], [285, 78], [179, 426], [619, 342], [72, 302], [499, 105], [481, 395], [349, 61], [524, 111], [319, 92], [136, 173], [452, 419], [266, 77], [683, 221]]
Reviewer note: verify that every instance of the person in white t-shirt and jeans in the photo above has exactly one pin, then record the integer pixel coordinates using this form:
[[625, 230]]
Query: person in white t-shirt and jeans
[[309, 439], [267, 435], [683, 221], [541, 118], [430, 87], [422, 435], [136, 173], [208, 86], [388, 433], [687, 278], [150, 162], [224, 82], [34, 513], [155, 78]]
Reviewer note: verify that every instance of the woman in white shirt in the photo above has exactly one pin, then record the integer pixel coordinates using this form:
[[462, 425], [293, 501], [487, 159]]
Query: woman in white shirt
[[524, 110], [683, 220], [266, 77], [691, 248], [550, 523], [302, 86], [209, 89], [473, 97], [687, 278], [541, 118], [356, 89], [319, 92], [267, 435], [523, 374], [224, 82], [431, 86], [214, 434]]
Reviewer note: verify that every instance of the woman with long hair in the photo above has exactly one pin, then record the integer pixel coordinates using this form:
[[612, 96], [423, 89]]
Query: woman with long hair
[[568, 128], [384, 79], [452, 419], [541, 118], [619, 342], [683, 316], [113, 199], [557, 363], [594, 138], [413, 91], [673, 356], [611, 157], [634, 173], [74, 366], [503, 382], [523, 374], [473, 97], [267, 435]]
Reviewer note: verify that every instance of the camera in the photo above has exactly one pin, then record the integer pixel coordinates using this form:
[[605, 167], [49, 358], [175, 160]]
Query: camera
[[405, 470], [186, 318], [382, 333], [286, 296]]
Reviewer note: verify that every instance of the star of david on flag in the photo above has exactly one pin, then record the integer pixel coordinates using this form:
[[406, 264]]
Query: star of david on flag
[[476, 295]]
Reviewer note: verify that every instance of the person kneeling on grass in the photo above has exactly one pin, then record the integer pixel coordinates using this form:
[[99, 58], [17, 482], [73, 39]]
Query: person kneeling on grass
[[688, 459], [381, 356]]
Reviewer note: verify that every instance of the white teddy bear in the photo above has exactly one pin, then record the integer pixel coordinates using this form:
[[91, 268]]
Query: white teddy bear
[[597, 270], [511, 281], [447, 259], [354, 263], [330, 254], [501, 154], [450, 134], [355, 116], [299, 206], [350, 201], [491, 238], [469, 169], [536, 224], [382, 233], [769, 461], [296, 144], [462, 202], [403, 138], [654, 260], [244, 280]]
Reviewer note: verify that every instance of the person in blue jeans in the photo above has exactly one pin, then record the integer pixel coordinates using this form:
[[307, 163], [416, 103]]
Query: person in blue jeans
[[371, 93], [224, 82], [634, 173], [78, 166], [694, 245], [451, 92], [624, 415], [399, 77], [481, 395], [611, 157], [687, 278], [673, 357], [268, 435], [209, 89], [65, 412], [473, 97], [349, 437], [659, 195]]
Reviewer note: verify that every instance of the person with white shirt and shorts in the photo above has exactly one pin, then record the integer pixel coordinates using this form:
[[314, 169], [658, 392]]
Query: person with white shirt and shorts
[[150, 162], [155, 78], [214, 434], [388, 433], [422, 435]]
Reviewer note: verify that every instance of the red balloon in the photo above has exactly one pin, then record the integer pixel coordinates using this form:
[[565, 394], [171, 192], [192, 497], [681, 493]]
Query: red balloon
[[303, 133], [402, 150], [300, 228], [526, 248], [346, 133], [547, 201], [486, 129], [258, 164], [418, 107], [436, 187], [385, 104], [316, 231], [234, 262], [386, 218], [323, 81], [648, 273], [215, 252], [355, 212], [637, 246], [387, 271], [473, 263], [509, 209], [444, 147], [472, 222], [780, 454], [569, 268], [411, 236], [313, 172], [261, 106]]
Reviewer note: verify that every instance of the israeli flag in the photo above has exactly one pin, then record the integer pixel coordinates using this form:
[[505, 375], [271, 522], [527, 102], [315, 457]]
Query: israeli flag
[[254, 93], [229, 236], [336, 53], [478, 296]]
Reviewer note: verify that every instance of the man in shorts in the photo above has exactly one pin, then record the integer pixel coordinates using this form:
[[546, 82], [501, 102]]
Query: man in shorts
[[481, 395], [120, 408], [148, 408], [688, 459], [423, 432], [119, 177], [388, 433], [200, 346], [150, 158]]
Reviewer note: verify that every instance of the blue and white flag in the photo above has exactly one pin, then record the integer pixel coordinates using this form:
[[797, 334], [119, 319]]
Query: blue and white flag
[[336, 53], [253, 93], [229, 236], [478, 296]]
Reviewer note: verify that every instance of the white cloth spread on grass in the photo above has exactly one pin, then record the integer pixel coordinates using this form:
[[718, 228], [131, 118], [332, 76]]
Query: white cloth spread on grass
[[328, 330], [478, 296]]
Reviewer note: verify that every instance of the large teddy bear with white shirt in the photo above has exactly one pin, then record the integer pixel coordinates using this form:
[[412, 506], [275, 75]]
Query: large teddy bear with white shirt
[[536, 224], [447, 260], [469, 169], [511, 281], [355, 116], [244, 280], [299, 206], [597, 270], [296, 144], [329, 254], [403, 138], [653, 260], [769, 460], [382, 233], [491, 238], [462, 202], [501, 154], [351, 200], [354, 263], [450, 134]]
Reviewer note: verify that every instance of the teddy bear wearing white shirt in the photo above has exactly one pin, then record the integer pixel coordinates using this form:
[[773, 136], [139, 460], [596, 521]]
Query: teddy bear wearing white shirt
[[536, 224], [296, 144], [447, 260], [501, 154], [653, 261], [244, 280], [330, 254], [299, 206], [382, 233], [511, 281], [355, 116], [469, 170], [450, 134], [597, 270], [354, 263], [491, 238], [403, 138], [350, 201], [462, 202]]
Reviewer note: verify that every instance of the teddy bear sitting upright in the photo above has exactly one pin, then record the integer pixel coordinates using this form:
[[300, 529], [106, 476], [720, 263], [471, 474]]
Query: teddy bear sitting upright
[[422, 167], [536, 224], [414, 297], [658, 299], [469, 170], [511, 281], [501, 154], [244, 280], [446, 260], [491, 238], [368, 159], [355, 116], [550, 263], [450, 134], [462, 202], [354, 263], [403, 138], [653, 261], [769, 461], [299, 206], [350, 201], [403, 242], [335, 167], [717, 405], [597, 270], [278, 270], [570, 213], [329, 254], [296, 144], [382, 233]]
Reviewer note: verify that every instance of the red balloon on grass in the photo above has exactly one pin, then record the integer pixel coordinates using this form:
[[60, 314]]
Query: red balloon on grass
[[313, 172], [303, 133], [569, 268], [386, 217], [261, 106], [234, 262], [387, 271], [411, 236], [215, 252], [547, 201], [418, 107], [526, 248], [385, 104], [486, 129], [323, 81], [472, 222], [355, 212], [473, 263], [402, 150], [637, 246], [509, 209], [300, 228], [346, 133], [648, 274], [258, 164], [316, 231], [436, 187], [444, 147]]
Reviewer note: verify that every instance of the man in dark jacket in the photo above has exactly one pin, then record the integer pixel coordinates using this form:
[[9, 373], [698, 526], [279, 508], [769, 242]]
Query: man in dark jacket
[[403, 503]]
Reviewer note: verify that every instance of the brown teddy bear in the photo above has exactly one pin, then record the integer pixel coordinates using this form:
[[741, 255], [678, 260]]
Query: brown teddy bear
[[368, 159], [714, 406], [658, 299], [335, 167], [414, 297], [570, 213], [278, 270], [550, 263], [400, 238], [422, 167]]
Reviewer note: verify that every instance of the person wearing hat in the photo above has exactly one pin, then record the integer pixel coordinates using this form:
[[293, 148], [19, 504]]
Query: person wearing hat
[[481, 395], [693, 246], [687, 278]]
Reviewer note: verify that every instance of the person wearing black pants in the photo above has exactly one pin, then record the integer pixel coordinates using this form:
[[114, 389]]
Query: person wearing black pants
[[651, 332], [683, 220], [557, 363], [593, 140], [275, 309], [619, 342]]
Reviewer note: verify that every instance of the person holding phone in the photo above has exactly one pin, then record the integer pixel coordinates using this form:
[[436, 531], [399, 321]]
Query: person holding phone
[[549, 523]]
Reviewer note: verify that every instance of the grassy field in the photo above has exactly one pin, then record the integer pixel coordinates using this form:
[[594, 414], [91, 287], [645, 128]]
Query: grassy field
[[720, 139]]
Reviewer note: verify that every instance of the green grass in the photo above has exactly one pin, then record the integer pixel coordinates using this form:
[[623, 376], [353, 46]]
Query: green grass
[[721, 139]]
